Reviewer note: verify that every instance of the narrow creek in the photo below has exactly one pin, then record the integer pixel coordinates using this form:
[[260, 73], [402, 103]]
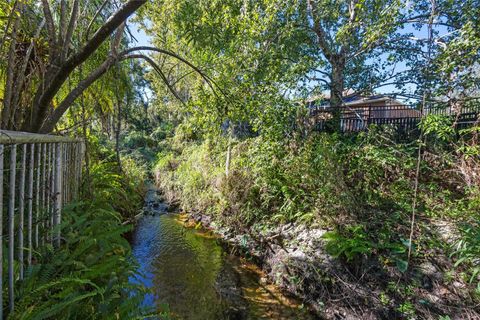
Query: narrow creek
[[194, 278]]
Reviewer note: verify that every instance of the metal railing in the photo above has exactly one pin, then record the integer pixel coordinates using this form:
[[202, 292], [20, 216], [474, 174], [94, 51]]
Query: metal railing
[[405, 118], [39, 174]]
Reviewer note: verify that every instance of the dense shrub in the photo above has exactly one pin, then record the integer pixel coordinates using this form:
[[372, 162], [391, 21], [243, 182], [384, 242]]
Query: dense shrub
[[360, 186]]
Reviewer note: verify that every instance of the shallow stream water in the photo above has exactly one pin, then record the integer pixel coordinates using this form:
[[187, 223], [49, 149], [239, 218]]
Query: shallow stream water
[[193, 278]]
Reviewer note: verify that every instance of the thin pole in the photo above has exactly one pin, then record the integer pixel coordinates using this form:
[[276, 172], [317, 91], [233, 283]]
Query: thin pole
[[21, 207], [44, 189], [63, 173], [51, 182], [426, 94], [11, 224], [66, 173], [78, 168], [2, 150], [71, 172], [83, 159], [58, 191], [37, 195], [46, 210], [49, 190], [30, 202]]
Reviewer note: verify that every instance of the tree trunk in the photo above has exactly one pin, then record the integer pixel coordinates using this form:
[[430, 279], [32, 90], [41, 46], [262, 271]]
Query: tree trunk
[[117, 129], [336, 95], [8, 110]]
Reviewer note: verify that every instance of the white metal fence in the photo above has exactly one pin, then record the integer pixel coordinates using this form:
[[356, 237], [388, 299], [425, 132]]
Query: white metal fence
[[39, 174]]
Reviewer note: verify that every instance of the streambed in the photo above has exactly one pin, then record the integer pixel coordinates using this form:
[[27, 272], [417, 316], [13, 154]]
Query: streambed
[[194, 278]]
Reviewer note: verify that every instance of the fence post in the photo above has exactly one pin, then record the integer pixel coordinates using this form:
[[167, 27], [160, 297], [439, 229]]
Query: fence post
[[58, 191], [30, 202], [44, 191], [11, 225], [37, 195], [21, 208], [51, 185]]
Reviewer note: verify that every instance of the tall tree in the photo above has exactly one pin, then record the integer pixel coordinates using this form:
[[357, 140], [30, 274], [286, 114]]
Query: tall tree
[[46, 48], [271, 50], [347, 34]]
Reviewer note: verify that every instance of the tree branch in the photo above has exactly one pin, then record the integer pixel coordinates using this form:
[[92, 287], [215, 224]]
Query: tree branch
[[319, 79], [63, 23], [9, 87], [11, 16], [117, 39], [21, 74], [326, 74], [71, 28], [166, 52], [319, 31], [159, 71], [50, 26], [89, 27], [58, 112], [207, 79], [352, 8], [43, 97]]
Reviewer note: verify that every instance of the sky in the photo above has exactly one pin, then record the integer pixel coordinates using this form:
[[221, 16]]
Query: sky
[[142, 38]]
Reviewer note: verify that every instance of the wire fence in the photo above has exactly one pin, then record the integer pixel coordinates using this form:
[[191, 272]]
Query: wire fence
[[39, 174]]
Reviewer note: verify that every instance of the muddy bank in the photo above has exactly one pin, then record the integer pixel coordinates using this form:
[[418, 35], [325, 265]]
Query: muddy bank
[[294, 258]]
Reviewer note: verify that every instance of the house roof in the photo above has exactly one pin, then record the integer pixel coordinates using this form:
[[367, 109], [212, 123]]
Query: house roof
[[353, 100]]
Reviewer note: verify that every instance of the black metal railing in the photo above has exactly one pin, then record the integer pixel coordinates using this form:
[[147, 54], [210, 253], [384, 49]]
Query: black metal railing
[[404, 118]]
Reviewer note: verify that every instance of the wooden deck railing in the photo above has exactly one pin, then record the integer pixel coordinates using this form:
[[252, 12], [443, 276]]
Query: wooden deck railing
[[39, 174], [404, 118]]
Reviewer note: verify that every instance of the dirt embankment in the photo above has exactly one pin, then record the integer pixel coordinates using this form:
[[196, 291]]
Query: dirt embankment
[[294, 258]]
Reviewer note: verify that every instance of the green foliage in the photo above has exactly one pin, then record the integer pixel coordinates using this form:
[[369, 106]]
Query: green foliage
[[124, 190], [467, 250], [354, 242], [350, 244], [267, 179], [440, 127], [88, 276], [362, 187]]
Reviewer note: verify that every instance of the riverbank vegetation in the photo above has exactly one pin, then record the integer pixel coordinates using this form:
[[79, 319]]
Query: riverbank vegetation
[[88, 276], [379, 223], [357, 189], [397, 213], [50, 63]]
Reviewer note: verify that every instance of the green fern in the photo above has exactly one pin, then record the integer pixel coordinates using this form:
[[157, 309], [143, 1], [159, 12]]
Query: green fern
[[88, 276]]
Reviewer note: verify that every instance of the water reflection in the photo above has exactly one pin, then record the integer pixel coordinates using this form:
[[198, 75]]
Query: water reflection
[[194, 279]]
